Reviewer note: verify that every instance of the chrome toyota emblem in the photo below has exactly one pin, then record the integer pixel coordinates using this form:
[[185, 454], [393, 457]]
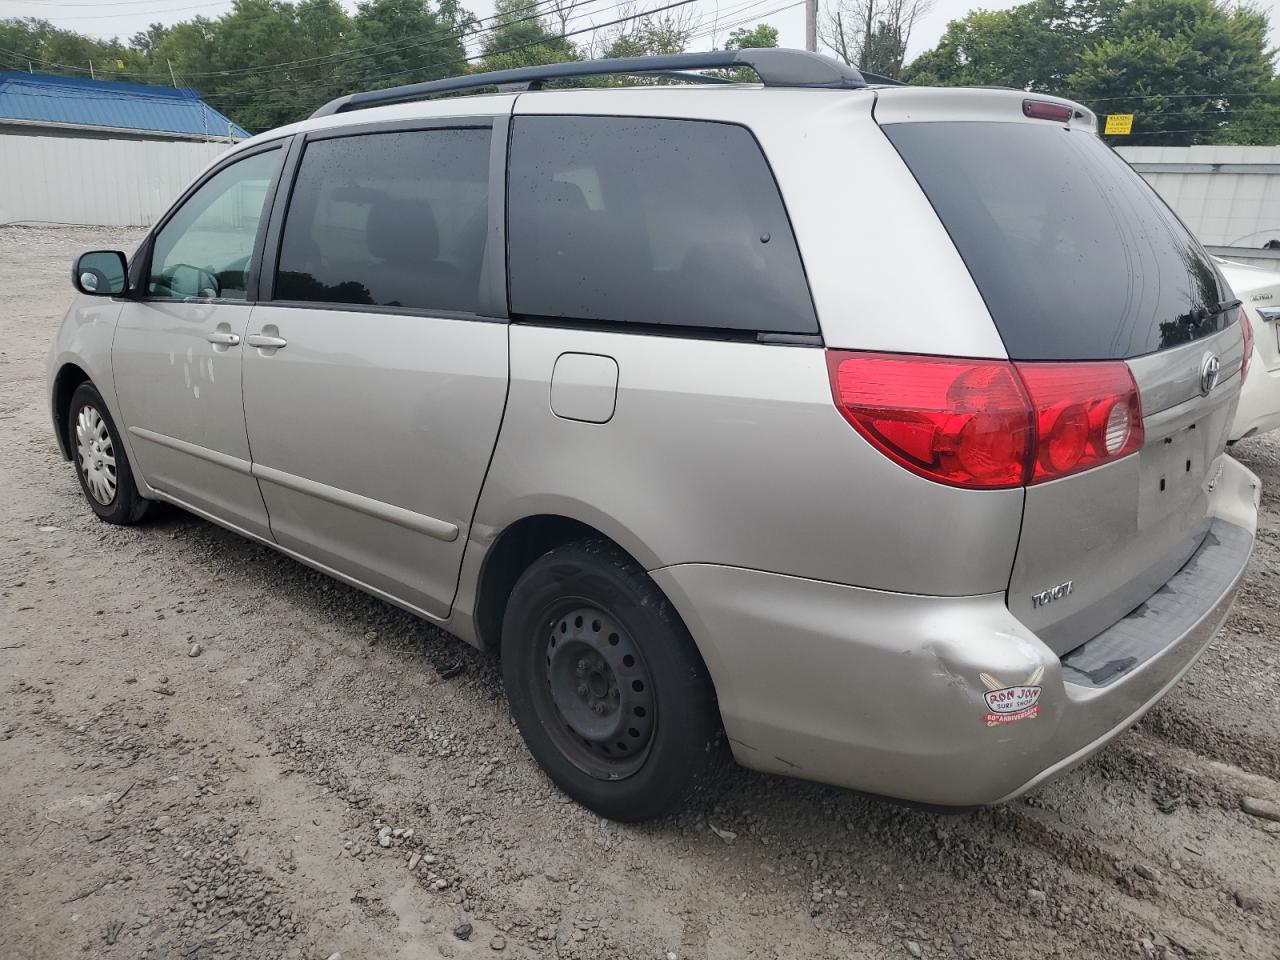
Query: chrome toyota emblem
[[1209, 373]]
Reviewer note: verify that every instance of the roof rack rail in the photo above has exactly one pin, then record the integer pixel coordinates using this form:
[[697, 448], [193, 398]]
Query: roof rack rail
[[775, 67], [877, 80]]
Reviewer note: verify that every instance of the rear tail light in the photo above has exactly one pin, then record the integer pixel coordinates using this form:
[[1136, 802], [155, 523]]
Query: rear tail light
[[1247, 329], [1086, 414], [988, 424]]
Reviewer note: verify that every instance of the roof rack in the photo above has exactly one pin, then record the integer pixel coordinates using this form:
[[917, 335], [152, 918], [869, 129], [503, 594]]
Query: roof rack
[[877, 80], [775, 68]]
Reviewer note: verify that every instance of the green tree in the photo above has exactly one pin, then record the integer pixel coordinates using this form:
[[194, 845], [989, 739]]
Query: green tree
[[22, 42], [752, 38], [47, 49], [650, 36], [871, 35], [1182, 67], [520, 37], [1034, 46], [270, 62], [1254, 120], [144, 42], [265, 62], [403, 41], [1191, 71], [187, 48]]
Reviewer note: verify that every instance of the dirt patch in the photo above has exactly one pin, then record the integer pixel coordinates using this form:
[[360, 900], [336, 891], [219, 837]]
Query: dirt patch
[[329, 775]]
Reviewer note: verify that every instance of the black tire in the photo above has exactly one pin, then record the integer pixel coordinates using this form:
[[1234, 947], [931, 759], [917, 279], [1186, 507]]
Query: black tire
[[125, 505], [644, 699]]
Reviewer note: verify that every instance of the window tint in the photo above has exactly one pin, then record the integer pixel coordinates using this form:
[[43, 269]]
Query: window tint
[[1076, 257], [650, 221], [389, 219], [205, 248]]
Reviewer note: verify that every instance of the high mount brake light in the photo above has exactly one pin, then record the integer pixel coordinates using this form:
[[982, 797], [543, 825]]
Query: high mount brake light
[[988, 424], [1044, 110]]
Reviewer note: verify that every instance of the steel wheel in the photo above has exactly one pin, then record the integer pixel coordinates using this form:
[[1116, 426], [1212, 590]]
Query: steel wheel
[[606, 685], [599, 693], [96, 455]]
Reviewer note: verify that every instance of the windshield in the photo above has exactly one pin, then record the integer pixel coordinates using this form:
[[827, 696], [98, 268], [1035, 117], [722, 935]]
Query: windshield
[[1075, 256]]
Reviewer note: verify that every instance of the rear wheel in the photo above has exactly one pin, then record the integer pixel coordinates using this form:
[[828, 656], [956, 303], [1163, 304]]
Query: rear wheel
[[605, 684], [100, 459]]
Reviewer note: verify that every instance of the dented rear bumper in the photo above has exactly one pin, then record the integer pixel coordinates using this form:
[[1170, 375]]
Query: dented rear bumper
[[943, 700]]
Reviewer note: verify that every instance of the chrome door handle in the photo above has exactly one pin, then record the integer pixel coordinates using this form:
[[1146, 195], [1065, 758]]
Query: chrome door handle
[[223, 339], [262, 340]]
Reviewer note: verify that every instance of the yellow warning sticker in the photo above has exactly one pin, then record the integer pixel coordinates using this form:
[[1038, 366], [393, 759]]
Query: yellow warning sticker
[[1119, 124]]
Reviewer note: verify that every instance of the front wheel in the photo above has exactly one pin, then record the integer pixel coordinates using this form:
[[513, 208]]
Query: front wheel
[[605, 684], [101, 463]]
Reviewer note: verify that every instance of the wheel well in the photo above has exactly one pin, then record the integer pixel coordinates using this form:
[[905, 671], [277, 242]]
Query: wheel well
[[516, 547], [64, 385]]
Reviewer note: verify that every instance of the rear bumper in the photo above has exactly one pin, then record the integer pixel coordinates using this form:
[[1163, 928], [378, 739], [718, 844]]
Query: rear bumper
[[932, 699]]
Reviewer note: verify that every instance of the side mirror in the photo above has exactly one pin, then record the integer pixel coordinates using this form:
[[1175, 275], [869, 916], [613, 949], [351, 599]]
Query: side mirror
[[101, 273]]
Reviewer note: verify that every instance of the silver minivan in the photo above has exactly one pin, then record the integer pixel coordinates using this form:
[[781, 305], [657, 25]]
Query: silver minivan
[[872, 433]]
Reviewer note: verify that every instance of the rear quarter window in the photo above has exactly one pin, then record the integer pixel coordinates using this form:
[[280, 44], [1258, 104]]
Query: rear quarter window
[[1076, 257], [650, 221]]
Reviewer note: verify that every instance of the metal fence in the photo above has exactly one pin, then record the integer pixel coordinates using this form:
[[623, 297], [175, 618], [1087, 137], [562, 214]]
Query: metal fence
[[1228, 196], [92, 180]]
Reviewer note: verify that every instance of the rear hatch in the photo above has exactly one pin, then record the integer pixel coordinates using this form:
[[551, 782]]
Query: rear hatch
[[1079, 260]]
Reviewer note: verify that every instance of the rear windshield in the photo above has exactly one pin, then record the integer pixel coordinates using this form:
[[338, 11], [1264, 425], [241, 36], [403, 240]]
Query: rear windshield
[[1075, 256]]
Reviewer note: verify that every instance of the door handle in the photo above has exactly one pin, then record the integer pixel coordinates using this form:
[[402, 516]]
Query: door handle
[[223, 339], [262, 340]]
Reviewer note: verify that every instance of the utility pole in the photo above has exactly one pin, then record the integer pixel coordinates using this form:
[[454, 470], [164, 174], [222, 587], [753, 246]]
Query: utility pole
[[172, 78], [811, 25], [91, 76]]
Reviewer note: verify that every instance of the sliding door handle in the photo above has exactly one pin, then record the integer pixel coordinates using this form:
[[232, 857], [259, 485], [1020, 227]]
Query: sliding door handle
[[262, 340]]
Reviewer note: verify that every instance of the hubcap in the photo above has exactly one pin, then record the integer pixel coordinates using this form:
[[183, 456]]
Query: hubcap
[[601, 692], [96, 455]]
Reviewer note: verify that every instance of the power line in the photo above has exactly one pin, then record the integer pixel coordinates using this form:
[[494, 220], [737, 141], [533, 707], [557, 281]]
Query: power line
[[259, 99], [572, 33], [548, 39], [101, 3], [255, 98], [132, 13], [1186, 96]]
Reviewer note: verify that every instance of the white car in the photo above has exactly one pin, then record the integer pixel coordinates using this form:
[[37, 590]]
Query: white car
[[1259, 409]]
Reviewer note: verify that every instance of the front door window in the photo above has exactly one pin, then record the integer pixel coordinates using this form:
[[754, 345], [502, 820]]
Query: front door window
[[205, 249]]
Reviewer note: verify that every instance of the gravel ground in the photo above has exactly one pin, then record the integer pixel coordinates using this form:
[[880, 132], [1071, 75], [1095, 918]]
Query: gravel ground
[[209, 750]]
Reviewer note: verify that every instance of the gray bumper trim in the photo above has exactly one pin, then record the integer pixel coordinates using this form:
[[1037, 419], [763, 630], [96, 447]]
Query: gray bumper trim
[[1167, 614]]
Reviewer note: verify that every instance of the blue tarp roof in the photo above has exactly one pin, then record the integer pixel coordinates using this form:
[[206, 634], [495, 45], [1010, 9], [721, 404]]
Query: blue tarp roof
[[108, 103]]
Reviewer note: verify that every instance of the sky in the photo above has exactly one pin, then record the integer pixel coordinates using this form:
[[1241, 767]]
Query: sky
[[123, 18]]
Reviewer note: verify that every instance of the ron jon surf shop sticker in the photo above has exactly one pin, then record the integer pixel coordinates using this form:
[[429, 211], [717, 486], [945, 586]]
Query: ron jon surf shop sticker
[[1009, 704]]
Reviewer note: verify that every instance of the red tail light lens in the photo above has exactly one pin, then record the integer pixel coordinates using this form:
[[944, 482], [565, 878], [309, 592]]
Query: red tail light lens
[[1086, 414], [962, 422], [1247, 329], [988, 424]]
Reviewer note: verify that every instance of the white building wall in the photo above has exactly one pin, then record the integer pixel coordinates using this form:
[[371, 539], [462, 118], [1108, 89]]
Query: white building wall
[[86, 180], [1229, 196]]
